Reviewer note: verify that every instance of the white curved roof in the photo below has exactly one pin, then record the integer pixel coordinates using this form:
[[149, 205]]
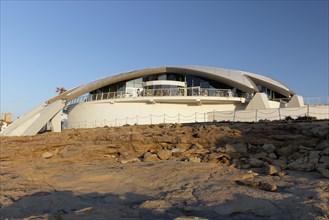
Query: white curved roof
[[244, 81]]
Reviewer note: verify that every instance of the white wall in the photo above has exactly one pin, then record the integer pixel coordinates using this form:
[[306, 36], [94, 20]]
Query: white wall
[[102, 113]]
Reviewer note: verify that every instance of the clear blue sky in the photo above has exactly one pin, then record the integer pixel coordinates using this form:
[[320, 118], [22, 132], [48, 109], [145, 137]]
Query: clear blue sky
[[46, 44]]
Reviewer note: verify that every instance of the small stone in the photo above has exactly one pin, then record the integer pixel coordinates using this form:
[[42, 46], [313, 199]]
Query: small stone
[[255, 162], [131, 160], [273, 170], [164, 154], [282, 173], [245, 166], [47, 155], [195, 160], [268, 186], [173, 158], [269, 148]]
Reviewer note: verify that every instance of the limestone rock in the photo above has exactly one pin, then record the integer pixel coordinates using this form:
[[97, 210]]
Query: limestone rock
[[295, 165], [314, 157], [269, 148], [164, 154], [256, 162], [195, 160], [149, 157], [324, 159], [287, 150], [268, 186], [131, 160], [236, 150], [273, 156], [273, 170], [325, 151], [324, 172], [320, 131], [323, 145], [47, 155], [258, 155]]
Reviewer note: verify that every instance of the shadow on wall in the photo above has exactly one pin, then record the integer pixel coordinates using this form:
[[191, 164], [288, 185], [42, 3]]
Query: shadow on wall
[[66, 205]]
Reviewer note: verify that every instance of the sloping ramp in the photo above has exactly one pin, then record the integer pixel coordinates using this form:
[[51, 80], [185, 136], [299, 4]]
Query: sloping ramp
[[32, 122]]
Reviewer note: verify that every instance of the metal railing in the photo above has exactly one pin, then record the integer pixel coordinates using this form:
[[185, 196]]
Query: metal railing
[[316, 101], [191, 91]]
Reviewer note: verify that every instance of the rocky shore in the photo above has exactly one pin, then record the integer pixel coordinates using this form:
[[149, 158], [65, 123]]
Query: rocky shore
[[272, 170]]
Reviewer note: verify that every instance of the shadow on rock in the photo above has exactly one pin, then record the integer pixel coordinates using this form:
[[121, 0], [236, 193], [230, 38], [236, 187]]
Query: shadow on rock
[[59, 205]]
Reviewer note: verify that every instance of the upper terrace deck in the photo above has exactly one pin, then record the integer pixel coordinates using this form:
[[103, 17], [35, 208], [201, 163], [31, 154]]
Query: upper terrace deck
[[169, 94]]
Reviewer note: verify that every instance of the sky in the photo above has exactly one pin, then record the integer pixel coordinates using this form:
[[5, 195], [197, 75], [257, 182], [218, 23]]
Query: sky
[[49, 44]]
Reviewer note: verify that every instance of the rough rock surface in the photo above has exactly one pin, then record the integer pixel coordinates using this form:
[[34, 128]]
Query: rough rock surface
[[270, 170]]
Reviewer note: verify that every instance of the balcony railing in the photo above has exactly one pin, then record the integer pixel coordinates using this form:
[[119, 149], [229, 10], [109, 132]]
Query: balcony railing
[[191, 91]]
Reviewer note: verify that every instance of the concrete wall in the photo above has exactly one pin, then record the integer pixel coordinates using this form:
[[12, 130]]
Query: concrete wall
[[104, 113]]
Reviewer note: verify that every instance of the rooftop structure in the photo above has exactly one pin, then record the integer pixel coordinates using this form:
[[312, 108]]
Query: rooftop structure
[[157, 91]]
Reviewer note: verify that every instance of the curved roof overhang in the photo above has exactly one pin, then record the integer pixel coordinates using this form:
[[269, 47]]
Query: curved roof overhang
[[243, 81], [270, 83]]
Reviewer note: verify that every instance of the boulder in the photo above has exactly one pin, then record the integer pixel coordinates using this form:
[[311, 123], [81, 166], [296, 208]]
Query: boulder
[[324, 159], [320, 131], [236, 150], [280, 163], [269, 148], [164, 154], [287, 150], [314, 157], [324, 172], [295, 165], [325, 151], [273, 156], [323, 145], [255, 162]]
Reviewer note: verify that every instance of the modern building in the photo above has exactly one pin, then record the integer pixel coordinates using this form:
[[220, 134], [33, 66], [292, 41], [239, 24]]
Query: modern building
[[156, 95]]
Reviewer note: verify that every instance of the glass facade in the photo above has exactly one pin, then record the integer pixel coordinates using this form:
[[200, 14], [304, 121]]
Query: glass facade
[[189, 85]]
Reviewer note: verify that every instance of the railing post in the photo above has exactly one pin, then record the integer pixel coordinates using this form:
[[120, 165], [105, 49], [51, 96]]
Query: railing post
[[256, 115]]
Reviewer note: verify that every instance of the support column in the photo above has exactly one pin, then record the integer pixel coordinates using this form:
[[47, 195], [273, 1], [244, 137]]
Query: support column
[[56, 123]]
